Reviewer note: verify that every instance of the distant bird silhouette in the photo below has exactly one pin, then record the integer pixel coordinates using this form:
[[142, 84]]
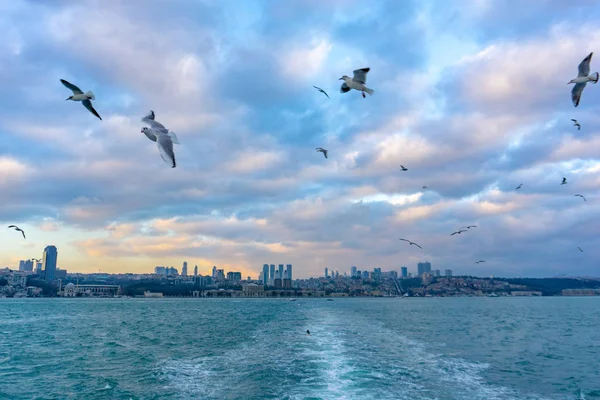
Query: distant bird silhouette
[[424, 187], [575, 123], [411, 243], [480, 261], [322, 91], [519, 187], [580, 195], [580, 249], [307, 332], [18, 229], [322, 150], [458, 232], [471, 226], [403, 168], [564, 181], [37, 259]]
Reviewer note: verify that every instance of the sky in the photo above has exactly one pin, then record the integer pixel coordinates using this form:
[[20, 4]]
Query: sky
[[473, 100]]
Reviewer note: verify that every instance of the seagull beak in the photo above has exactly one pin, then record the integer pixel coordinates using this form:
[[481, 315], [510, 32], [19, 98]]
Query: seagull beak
[[341, 79], [67, 98]]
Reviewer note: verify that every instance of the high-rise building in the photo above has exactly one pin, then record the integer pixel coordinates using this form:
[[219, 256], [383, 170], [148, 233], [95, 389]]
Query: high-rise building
[[280, 271], [423, 267], [26, 265], [195, 270], [38, 268], [158, 270], [214, 272], [353, 271], [365, 274], [234, 276], [436, 272], [220, 274], [49, 262], [448, 272], [376, 273], [22, 265], [184, 269], [326, 273], [404, 272], [272, 274], [265, 274], [288, 272]]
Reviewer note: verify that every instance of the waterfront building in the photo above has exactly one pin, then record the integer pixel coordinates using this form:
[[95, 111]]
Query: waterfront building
[[49, 262], [423, 267], [404, 272], [265, 274], [271, 274], [288, 272], [436, 273], [253, 290], [160, 270], [184, 269], [280, 271], [234, 276]]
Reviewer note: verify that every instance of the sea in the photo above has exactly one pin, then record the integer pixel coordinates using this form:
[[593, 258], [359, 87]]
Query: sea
[[358, 348]]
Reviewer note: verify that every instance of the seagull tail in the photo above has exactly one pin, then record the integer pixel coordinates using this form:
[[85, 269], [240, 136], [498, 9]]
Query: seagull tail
[[90, 95], [370, 91], [595, 77], [173, 137]]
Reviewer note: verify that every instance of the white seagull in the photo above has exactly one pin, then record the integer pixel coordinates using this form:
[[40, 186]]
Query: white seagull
[[18, 229], [85, 98], [575, 123], [322, 150], [156, 126], [582, 79], [357, 82]]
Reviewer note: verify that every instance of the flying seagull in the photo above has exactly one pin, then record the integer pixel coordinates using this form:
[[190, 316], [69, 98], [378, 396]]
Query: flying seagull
[[411, 243], [469, 227], [575, 123], [322, 150], [18, 229], [156, 126], [403, 168], [519, 187], [564, 181], [322, 91], [357, 82], [85, 98], [583, 77], [580, 249], [480, 261], [458, 232], [165, 146], [580, 195], [424, 187]]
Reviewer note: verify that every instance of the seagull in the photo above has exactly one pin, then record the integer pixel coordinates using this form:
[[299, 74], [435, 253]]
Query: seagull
[[357, 82], [575, 123], [165, 146], [583, 77], [564, 181], [411, 243], [470, 226], [580, 249], [519, 187], [18, 229], [37, 259], [156, 126], [403, 168], [458, 232], [322, 91], [85, 98], [424, 187], [580, 195], [480, 261], [322, 150]]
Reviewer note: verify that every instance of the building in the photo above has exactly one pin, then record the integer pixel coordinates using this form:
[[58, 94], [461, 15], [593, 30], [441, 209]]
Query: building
[[214, 272], [160, 270], [49, 262], [195, 270], [265, 274], [253, 290], [272, 274], [287, 283], [72, 290], [278, 283], [436, 272], [353, 270], [26, 265], [38, 268], [377, 273], [288, 272], [404, 272], [448, 273], [234, 276], [60, 273], [184, 269], [365, 274], [326, 273], [426, 278], [281, 271], [423, 267], [171, 271]]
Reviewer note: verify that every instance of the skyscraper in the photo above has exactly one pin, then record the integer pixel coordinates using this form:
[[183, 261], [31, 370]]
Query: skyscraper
[[214, 272], [326, 273], [353, 271], [289, 272], [272, 274], [265, 274], [184, 269], [280, 271], [404, 272], [423, 267], [22, 265], [49, 262], [196, 270], [448, 272]]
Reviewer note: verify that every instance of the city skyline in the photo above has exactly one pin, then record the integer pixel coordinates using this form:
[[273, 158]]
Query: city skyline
[[249, 186]]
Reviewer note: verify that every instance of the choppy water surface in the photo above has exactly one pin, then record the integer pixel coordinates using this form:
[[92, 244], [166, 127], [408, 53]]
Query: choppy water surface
[[462, 348]]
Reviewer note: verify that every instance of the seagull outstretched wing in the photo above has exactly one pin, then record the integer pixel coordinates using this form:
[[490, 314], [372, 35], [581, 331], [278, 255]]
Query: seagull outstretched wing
[[360, 75], [88, 104], [69, 85]]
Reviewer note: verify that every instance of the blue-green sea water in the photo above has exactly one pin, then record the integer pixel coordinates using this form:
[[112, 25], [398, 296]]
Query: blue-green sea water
[[428, 348]]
